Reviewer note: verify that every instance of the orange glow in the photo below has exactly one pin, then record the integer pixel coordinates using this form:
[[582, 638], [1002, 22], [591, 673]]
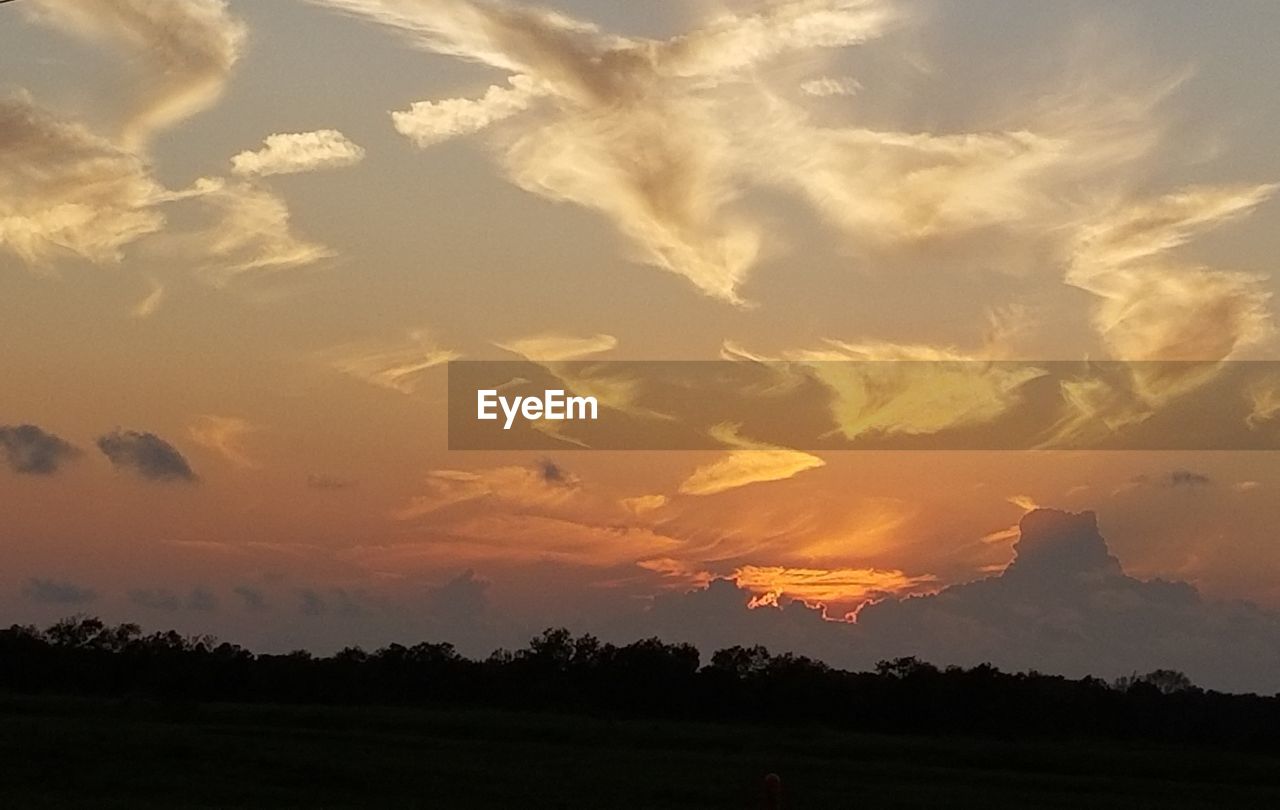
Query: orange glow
[[844, 589]]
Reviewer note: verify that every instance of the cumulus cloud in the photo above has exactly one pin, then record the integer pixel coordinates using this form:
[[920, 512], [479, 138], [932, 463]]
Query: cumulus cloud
[[32, 451], [1063, 604], [147, 455], [290, 153], [55, 592], [460, 601], [430, 122]]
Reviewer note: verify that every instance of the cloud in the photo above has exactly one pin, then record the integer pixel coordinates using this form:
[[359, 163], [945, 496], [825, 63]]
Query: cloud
[[68, 191], [31, 451], [254, 601], [829, 589], [250, 230], [643, 504], [399, 365], [551, 348], [188, 49], [541, 485], [147, 455], [430, 122], [619, 125], [163, 599], [827, 86], [1153, 307], [224, 435], [1063, 604], [150, 304], [753, 463], [332, 601], [460, 601], [65, 191], [290, 153], [155, 599], [54, 592]]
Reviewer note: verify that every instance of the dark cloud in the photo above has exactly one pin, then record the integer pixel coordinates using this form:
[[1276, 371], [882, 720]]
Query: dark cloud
[[460, 601], [552, 473], [1175, 479], [32, 451], [202, 601], [1064, 605], [163, 599], [254, 601], [57, 593], [333, 601], [329, 482], [1187, 478], [155, 599], [147, 455]]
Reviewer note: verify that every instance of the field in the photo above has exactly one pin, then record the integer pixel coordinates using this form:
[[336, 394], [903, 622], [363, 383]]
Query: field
[[84, 753]]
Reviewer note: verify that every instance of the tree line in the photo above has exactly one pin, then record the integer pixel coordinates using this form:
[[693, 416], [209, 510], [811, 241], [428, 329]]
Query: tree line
[[559, 672]]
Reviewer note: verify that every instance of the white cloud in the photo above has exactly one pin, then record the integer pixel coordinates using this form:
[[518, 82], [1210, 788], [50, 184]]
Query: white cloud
[[290, 153]]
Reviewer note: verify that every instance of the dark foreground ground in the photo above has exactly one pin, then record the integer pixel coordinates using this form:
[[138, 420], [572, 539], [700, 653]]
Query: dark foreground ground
[[83, 753]]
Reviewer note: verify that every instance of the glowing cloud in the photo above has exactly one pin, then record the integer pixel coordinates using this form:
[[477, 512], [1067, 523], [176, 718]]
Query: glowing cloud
[[752, 464], [848, 588], [224, 435], [397, 365], [291, 153], [67, 191]]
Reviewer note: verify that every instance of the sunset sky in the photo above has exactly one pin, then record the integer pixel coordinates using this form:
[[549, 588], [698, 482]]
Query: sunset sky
[[240, 241]]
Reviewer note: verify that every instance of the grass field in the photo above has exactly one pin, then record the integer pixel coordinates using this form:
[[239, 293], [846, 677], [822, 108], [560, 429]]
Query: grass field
[[82, 753]]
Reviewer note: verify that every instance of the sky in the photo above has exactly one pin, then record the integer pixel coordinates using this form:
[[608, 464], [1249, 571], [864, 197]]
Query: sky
[[239, 243]]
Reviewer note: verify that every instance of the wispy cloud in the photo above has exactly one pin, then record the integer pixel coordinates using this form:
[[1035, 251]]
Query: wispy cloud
[[224, 435], [751, 463], [68, 190], [188, 50], [552, 348], [399, 365]]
